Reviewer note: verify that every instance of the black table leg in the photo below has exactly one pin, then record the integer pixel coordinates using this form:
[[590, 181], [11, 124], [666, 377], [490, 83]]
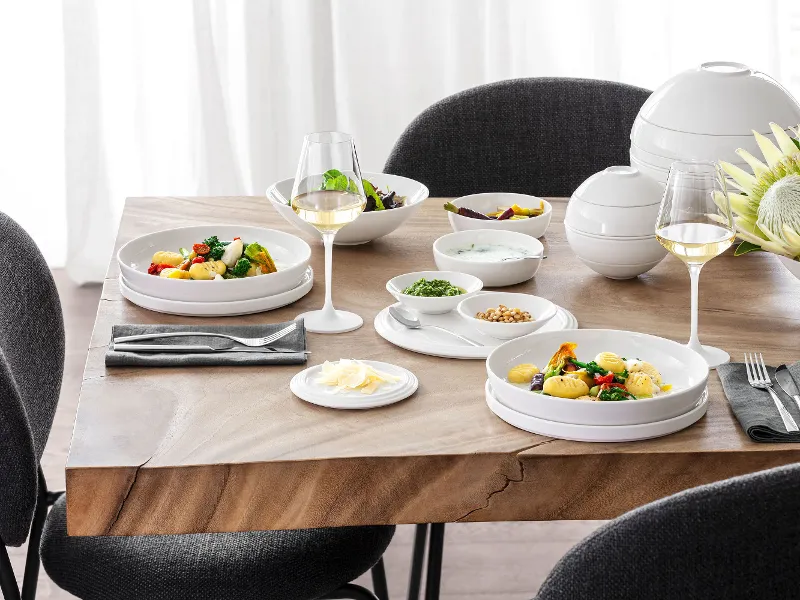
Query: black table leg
[[433, 578], [417, 561]]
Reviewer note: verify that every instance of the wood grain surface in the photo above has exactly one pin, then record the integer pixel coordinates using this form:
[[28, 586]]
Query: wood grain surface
[[178, 450]]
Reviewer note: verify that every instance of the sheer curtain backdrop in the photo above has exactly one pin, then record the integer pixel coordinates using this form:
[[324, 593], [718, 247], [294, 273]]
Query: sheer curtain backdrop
[[104, 100]]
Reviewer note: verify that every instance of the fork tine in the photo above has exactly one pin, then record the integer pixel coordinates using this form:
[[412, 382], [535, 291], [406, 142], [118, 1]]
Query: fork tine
[[764, 368], [747, 368], [280, 334], [756, 367]]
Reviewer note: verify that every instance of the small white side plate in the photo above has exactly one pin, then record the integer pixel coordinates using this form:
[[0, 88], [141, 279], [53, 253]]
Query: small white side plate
[[218, 309], [595, 433], [304, 386]]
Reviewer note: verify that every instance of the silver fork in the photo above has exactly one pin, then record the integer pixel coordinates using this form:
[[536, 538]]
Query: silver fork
[[758, 377], [251, 342]]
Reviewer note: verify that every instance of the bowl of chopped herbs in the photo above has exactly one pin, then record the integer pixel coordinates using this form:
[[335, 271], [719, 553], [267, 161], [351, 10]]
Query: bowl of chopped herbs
[[433, 292]]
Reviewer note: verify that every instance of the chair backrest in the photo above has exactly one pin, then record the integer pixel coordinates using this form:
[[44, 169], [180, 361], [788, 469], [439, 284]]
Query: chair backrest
[[540, 136], [739, 538], [31, 366]]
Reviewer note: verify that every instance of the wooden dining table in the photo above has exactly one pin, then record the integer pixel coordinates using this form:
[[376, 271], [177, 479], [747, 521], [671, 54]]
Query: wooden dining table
[[220, 449]]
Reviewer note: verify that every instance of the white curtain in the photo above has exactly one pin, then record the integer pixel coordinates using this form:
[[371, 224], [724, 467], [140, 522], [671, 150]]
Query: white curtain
[[109, 99]]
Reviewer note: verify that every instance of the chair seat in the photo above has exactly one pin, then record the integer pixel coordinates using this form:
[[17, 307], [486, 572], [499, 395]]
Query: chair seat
[[284, 565]]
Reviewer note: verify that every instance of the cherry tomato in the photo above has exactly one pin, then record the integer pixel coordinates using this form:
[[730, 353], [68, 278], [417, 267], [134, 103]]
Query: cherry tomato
[[151, 270], [601, 379], [237, 238], [201, 248], [161, 267], [198, 259]]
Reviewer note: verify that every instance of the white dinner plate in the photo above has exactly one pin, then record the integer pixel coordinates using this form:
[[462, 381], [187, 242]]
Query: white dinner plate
[[218, 309], [437, 343], [304, 386], [595, 433]]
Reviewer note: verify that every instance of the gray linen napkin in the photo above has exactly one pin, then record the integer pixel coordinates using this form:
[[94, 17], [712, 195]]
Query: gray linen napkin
[[296, 341], [754, 408]]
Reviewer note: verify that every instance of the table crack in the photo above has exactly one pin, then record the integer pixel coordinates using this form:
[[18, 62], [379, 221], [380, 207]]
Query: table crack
[[127, 494]]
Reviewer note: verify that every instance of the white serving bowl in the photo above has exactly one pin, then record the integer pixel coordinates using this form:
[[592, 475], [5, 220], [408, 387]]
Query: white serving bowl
[[369, 225], [606, 250], [491, 273], [486, 203], [686, 370], [290, 253], [792, 266], [619, 271], [618, 202], [541, 309], [433, 306]]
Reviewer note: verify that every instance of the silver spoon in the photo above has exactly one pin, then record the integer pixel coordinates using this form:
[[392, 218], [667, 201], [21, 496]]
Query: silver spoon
[[537, 257], [409, 320]]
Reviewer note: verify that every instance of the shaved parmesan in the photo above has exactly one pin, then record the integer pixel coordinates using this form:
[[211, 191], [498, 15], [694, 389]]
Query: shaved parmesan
[[350, 375]]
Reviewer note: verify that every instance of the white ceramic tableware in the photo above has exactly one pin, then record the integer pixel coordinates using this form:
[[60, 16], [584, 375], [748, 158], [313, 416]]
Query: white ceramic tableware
[[433, 306], [595, 433], [369, 225], [437, 343], [792, 266], [679, 366], [217, 309], [290, 253], [615, 250], [541, 309], [488, 203], [491, 273], [620, 271], [305, 387]]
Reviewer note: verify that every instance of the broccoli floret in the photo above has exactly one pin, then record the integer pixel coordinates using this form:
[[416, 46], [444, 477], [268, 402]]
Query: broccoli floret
[[216, 252], [211, 241], [241, 268]]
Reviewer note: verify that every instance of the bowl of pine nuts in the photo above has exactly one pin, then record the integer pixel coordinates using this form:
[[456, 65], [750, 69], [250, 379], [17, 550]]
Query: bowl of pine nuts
[[506, 315]]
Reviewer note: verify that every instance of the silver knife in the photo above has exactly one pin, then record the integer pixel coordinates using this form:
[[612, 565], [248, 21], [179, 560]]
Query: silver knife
[[786, 381], [195, 349]]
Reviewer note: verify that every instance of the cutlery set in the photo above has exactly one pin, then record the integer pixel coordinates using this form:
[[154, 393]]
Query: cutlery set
[[758, 377]]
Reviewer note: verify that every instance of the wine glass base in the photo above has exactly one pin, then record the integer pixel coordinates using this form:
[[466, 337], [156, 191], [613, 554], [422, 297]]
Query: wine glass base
[[714, 356], [338, 321]]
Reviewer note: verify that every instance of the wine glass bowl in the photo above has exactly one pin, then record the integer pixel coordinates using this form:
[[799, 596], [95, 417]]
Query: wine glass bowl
[[695, 224], [328, 194]]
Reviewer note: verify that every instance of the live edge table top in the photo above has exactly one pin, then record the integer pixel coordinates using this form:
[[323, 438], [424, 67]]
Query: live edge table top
[[178, 450]]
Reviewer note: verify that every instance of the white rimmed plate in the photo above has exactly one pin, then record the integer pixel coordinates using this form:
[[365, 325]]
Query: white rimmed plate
[[304, 386], [437, 343], [596, 433], [218, 309]]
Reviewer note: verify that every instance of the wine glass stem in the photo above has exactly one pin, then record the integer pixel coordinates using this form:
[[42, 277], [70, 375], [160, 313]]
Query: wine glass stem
[[694, 275], [327, 240]]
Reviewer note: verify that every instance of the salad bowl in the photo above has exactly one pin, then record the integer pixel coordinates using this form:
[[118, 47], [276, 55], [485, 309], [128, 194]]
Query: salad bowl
[[369, 225], [679, 366], [290, 253]]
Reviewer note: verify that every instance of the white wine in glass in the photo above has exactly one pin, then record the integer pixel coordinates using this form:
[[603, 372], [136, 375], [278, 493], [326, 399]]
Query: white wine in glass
[[695, 224], [328, 194]]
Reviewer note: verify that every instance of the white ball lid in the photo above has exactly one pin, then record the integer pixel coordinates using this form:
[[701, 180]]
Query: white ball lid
[[721, 98], [620, 186]]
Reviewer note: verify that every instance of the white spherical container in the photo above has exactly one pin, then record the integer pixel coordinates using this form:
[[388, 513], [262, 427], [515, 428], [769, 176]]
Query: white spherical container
[[707, 113], [610, 222]]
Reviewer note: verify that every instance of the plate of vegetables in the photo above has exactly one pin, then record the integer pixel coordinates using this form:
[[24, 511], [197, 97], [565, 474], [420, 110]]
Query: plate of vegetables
[[597, 377], [391, 200], [512, 212], [214, 263]]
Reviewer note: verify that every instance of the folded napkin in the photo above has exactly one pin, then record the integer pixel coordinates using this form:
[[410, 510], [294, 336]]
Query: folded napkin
[[755, 409], [295, 341]]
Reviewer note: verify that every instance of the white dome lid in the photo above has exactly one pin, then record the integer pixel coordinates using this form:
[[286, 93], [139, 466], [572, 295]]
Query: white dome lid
[[721, 98], [622, 186]]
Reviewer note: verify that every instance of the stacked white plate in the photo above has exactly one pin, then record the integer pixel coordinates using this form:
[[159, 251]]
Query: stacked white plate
[[599, 421], [229, 297]]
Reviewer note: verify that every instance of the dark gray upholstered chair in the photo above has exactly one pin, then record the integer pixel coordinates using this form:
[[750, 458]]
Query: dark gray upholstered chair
[[279, 565], [738, 538], [540, 136]]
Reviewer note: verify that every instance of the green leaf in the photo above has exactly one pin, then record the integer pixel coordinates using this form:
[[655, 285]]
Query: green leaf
[[352, 187], [369, 190], [796, 142], [746, 247]]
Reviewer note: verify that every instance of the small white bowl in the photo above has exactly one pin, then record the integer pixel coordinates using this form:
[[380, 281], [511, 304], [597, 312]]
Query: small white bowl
[[368, 226], [491, 273], [486, 203], [615, 251], [433, 306], [541, 309], [619, 271]]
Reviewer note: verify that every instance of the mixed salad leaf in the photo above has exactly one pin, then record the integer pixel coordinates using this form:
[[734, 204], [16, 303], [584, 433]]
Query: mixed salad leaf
[[377, 200], [214, 259]]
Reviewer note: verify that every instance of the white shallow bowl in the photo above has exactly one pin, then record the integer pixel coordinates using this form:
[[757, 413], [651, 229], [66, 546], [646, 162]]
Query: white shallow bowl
[[486, 203], [541, 309], [290, 253], [491, 273], [685, 369], [619, 271], [792, 266], [433, 306], [615, 251], [368, 226]]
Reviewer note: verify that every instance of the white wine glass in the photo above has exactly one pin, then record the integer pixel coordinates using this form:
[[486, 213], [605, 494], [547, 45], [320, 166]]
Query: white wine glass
[[328, 194], [695, 224]]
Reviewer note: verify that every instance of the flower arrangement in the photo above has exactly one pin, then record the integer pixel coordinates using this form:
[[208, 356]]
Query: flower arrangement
[[767, 208]]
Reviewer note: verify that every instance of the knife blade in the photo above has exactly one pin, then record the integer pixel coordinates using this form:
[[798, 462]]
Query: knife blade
[[787, 383], [199, 349]]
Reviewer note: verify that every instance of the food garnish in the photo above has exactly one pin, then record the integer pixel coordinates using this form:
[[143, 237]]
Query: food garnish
[[214, 260], [377, 200], [503, 213], [348, 375], [433, 288], [503, 314]]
